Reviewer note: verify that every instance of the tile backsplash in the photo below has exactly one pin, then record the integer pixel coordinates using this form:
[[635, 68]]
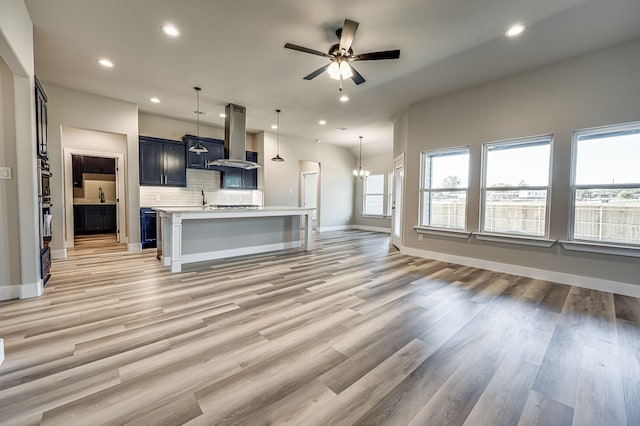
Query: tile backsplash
[[197, 181]]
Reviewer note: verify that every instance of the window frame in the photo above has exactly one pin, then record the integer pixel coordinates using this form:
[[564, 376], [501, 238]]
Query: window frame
[[572, 242], [365, 193], [528, 140], [424, 155]]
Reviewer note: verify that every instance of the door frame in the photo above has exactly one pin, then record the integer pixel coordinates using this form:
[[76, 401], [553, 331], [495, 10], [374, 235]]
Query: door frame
[[317, 169], [68, 192], [304, 193], [398, 192]]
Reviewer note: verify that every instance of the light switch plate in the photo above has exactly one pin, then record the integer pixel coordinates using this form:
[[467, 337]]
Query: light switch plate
[[5, 172]]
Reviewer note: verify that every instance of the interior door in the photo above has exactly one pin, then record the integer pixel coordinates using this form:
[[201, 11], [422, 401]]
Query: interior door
[[119, 212], [396, 202], [311, 192]]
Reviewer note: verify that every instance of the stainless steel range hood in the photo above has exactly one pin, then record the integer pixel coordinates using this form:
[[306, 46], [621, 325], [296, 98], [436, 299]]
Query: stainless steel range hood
[[235, 140]]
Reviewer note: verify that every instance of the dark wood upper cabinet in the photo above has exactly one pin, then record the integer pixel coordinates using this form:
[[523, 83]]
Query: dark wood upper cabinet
[[41, 120], [236, 178], [162, 162], [215, 151]]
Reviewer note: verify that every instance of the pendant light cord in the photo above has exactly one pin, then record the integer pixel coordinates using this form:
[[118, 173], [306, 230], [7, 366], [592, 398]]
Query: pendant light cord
[[198, 111], [278, 131]]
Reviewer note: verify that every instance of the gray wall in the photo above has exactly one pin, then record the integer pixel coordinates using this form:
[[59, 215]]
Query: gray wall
[[282, 180], [375, 164], [80, 110], [592, 90], [19, 230]]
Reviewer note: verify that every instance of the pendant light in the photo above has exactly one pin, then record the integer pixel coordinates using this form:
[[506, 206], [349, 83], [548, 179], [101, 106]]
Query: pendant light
[[277, 157], [360, 173], [198, 148]]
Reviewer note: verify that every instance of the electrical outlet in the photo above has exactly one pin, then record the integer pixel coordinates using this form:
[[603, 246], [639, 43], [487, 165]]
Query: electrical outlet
[[5, 172], [419, 237], [157, 197]]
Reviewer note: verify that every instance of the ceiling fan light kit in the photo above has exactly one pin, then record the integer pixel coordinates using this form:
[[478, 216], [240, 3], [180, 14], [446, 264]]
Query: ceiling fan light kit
[[341, 54]]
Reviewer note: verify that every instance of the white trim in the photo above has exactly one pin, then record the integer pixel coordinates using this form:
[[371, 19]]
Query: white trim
[[21, 291], [618, 287], [514, 239], [8, 292], [26, 291], [372, 228], [59, 254], [601, 248], [242, 251], [134, 246], [1, 351], [455, 233], [334, 228]]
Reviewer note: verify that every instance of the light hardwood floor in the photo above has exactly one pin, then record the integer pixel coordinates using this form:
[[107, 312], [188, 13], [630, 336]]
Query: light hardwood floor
[[351, 333]]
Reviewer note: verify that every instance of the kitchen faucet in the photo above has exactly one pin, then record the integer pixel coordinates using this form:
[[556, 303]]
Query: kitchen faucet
[[101, 195], [204, 202]]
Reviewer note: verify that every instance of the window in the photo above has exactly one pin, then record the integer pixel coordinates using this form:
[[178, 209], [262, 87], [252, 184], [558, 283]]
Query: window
[[389, 193], [374, 195], [443, 188], [515, 187], [605, 187]]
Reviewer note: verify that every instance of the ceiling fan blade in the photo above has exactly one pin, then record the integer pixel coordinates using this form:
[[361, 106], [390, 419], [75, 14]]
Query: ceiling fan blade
[[305, 50], [317, 72], [348, 33], [357, 77], [375, 56]]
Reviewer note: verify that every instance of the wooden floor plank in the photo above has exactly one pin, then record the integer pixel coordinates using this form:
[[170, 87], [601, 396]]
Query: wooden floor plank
[[353, 332]]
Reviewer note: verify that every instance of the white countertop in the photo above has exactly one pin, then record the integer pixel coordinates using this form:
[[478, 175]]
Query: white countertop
[[92, 202], [212, 212]]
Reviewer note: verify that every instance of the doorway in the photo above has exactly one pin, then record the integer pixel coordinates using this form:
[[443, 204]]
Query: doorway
[[309, 189], [95, 197], [396, 202]]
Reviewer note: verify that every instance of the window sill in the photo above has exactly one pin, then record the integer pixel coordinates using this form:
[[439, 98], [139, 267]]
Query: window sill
[[443, 232], [600, 248], [373, 216], [514, 239]]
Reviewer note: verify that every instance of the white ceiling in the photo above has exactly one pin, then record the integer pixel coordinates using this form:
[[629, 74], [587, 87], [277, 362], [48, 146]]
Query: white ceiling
[[234, 51]]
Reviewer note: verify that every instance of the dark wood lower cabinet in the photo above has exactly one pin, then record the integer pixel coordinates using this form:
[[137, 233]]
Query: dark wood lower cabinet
[[45, 264], [94, 219]]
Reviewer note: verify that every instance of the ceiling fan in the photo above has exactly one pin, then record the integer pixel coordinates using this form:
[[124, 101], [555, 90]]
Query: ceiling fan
[[340, 54]]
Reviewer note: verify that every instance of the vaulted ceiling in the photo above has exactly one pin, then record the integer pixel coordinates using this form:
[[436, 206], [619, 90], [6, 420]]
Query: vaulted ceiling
[[234, 51]]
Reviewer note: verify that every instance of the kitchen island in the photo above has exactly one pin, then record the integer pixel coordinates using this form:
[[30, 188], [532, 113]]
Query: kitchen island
[[196, 234]]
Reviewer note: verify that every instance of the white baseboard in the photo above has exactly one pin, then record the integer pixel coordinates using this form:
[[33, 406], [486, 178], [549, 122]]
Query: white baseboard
[[21, 291], [372, 228], [8, 292], [134, 246], [1, 351], [242, 251], [618, 287], [27, 291], [59, 254], [334, 228]]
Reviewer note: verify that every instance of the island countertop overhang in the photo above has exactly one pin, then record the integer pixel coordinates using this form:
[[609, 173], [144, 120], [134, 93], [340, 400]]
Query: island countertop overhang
[[209, 212]]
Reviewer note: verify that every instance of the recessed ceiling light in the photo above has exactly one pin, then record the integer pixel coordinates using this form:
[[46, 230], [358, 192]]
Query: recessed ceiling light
[[344, 98], [274, 126], [105, 63], [322, 122], [171, 30], [155, 100], [222, 115], [515, 30]]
